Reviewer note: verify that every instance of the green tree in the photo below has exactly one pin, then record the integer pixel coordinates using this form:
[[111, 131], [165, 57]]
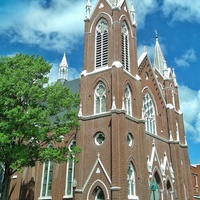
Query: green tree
[[33, 114]]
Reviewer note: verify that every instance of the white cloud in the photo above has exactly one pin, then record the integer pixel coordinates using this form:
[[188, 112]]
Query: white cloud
[[142, 9], [56, 24], [189, 101], [182, 10], [185, 60], [58, 27]]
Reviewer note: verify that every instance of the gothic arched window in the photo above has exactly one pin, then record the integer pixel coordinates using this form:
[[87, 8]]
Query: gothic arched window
[[131, 181], [70, 172], [148, 114], [125, 46], [127, 99], [102, 43], [100, 98]]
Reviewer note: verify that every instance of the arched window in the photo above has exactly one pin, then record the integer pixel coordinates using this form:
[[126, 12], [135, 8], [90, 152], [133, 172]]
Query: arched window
[[131, 181], [125, 46], [47, 179], [100, 98], [102, 43], [149, 114], [128, 103], [70, 173], [99, 195]]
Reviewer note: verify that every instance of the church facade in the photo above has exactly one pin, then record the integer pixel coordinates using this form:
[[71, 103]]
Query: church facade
[[132, 133]]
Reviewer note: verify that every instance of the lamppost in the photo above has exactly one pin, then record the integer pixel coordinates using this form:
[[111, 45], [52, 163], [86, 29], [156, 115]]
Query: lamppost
[[153, 187]]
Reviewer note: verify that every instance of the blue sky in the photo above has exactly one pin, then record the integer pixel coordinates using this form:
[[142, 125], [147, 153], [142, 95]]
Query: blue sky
[[50, 27]]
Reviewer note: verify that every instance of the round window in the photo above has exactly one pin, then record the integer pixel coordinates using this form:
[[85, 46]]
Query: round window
[[99, 138]]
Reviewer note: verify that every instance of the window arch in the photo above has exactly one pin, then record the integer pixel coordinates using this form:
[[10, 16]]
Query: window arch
[[128, 102], [70, 172], [125, 46], [101, 43], [131, 181], [100, 98], [149, 114]]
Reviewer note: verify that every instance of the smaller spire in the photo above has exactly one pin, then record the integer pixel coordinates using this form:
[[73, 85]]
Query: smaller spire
[[132, 13], [80, 111], [113, 103], [63, 69], [88, 9], [156, 32], [174, 77]]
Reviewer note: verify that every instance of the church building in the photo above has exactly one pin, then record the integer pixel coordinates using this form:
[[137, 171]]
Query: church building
[[131, 126]]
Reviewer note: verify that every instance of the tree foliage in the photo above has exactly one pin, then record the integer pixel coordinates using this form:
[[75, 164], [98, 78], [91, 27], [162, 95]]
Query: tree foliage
[[33, 113]]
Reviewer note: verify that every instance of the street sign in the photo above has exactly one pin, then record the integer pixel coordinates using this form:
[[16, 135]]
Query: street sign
[[153, 186]]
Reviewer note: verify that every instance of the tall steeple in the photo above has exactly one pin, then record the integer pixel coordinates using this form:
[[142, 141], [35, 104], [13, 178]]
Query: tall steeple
[[159, 62], [63, 70]]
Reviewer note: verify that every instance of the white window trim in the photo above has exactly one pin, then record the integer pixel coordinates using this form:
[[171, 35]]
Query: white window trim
[[102, 45], [66, 183], [45, 197], [66, 196], [132, 179], [128, 101], [125, 49], [150, 121], [100, 98]]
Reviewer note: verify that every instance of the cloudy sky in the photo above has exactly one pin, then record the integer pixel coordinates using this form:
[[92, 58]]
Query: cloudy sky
[[50, 27]]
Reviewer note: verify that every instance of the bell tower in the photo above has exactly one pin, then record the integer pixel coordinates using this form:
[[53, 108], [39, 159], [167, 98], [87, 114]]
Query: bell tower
[[109, 109], [110, 33]]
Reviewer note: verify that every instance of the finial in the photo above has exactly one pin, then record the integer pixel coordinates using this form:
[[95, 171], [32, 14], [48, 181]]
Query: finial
[[156, 32], [113, 104], [144, 49], [132, 13], [80, 110], [88, 9]]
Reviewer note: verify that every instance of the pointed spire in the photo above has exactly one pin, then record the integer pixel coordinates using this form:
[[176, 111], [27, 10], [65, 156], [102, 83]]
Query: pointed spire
[[80, 110], [88, 10], [63, 69], [123, 104], [159, 62], [132, 13], [174, 77], [113, 103]]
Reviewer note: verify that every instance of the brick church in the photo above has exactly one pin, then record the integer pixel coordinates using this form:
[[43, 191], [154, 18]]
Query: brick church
[[132, 133]]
